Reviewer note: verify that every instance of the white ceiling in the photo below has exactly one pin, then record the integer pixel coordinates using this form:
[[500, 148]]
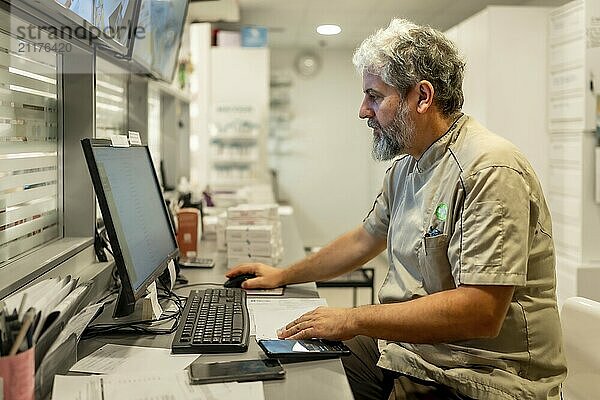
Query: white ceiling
[[292, 23]]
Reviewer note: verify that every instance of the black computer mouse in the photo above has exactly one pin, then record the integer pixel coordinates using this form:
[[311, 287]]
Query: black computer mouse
[[236, 281]]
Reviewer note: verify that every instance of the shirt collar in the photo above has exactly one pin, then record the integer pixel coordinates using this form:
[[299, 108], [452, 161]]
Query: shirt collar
[[438, 148]]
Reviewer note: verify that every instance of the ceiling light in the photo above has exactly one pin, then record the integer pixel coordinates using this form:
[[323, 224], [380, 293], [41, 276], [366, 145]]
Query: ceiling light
[[328, 29]]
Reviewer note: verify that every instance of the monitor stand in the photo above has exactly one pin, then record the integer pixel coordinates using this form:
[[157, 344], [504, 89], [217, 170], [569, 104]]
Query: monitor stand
[[124, 311], [125, 305]]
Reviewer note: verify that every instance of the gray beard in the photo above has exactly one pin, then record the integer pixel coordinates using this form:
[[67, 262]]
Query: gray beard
[[394, 139]]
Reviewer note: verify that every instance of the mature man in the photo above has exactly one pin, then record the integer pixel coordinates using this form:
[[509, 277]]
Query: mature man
[[468, 308]]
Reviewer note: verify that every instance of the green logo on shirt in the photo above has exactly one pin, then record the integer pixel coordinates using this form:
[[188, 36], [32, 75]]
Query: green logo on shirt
[[441, 212]]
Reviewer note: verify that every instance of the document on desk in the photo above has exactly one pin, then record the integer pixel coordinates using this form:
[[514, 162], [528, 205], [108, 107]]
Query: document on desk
[[119, 359], [76, 325], [269, 315], [163, 386]]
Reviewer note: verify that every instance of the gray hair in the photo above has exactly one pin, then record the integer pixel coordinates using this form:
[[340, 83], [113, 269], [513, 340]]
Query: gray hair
[[405, 53]]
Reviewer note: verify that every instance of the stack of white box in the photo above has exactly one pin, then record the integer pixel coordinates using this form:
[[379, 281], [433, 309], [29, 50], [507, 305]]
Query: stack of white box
[[253, 234]]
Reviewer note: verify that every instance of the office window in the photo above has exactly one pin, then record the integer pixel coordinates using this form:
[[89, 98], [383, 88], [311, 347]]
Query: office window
[[154, 123], [29, 158], [111, 99]]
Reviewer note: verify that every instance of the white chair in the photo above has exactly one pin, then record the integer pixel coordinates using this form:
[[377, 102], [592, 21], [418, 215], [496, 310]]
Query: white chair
[[581, 336]]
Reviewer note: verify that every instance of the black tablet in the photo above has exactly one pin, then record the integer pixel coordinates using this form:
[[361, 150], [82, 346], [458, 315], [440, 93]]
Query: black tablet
[[303, 349]]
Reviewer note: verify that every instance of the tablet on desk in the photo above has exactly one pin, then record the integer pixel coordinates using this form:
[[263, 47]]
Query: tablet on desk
[[303, 349]]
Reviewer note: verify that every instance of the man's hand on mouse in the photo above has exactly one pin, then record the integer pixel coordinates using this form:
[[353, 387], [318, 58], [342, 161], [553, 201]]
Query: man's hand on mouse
[[267, 277]]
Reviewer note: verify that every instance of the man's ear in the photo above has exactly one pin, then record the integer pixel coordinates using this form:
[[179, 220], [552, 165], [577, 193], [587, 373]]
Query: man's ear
[[426, 92]]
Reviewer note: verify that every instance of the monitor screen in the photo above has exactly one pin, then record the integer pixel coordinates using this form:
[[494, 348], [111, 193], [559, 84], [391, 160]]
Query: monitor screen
[[83, 8], [157, 48], [109, 20], [114, 18], [133, 209]]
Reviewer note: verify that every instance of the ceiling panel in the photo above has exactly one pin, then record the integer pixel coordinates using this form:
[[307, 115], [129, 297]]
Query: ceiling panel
[[293, 23]]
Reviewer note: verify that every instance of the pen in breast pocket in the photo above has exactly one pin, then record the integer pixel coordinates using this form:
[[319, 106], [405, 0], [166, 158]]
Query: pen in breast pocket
[[433, 232]]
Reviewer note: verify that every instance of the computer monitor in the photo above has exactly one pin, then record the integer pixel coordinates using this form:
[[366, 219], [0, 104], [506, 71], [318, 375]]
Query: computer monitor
[[135, 215], [109, 24], [162, 23]]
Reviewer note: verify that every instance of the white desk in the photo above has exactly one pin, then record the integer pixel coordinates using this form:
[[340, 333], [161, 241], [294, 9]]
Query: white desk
[[305, 380]]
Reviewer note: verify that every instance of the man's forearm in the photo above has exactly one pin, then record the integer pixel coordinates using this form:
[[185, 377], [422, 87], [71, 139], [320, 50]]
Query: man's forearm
[[465, 313], [344, 254]]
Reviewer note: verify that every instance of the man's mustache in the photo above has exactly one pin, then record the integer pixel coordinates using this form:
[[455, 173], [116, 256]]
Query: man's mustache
[[373, 124]]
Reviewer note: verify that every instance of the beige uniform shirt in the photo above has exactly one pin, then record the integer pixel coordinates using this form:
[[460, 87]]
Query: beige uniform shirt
[[471, 211]]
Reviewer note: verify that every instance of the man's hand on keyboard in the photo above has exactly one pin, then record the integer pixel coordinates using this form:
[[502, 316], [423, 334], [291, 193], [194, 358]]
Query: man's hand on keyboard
[[267, 277], [322, 323]]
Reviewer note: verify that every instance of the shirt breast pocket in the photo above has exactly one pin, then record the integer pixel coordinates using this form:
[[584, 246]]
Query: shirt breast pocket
[[434, 265]]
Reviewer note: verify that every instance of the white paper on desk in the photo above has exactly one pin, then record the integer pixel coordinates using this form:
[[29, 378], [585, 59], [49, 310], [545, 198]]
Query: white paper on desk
[[164, 386], [228, 391], [119, 359], [269, 315], [167, 386], [76, 325], [76, 388], [264, 292]]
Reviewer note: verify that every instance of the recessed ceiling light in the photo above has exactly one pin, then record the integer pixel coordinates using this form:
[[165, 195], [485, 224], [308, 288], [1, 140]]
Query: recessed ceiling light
[[328, 29]]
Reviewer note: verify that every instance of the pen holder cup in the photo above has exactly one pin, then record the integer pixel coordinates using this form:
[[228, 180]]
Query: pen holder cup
[[17, 375]]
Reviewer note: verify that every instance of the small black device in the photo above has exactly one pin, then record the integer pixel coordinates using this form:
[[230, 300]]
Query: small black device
[[236, 281], [213, 321], [240, 371], [197, 262], [309, 349]]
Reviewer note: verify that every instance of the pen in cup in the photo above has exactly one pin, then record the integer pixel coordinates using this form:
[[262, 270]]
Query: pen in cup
[[27, 319], [22, 306]]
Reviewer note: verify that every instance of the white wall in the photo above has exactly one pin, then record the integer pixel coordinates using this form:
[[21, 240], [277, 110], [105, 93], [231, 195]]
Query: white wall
[[199, 87], [505, 76], [326, 171]]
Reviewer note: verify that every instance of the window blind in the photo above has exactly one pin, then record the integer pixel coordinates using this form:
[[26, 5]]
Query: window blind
[[29, 210], [111, 100]]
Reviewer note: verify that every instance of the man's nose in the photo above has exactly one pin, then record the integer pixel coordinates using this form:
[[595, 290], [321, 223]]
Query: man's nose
[[365, 111]]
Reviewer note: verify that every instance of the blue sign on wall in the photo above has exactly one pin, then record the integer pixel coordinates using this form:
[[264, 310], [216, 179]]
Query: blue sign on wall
[[254, 36]]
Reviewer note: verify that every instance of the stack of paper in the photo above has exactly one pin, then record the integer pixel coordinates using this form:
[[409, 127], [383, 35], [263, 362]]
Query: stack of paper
[[50, 300]]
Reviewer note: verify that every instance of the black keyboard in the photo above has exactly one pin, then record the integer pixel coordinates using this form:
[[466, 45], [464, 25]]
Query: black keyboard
[[213, 321]]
